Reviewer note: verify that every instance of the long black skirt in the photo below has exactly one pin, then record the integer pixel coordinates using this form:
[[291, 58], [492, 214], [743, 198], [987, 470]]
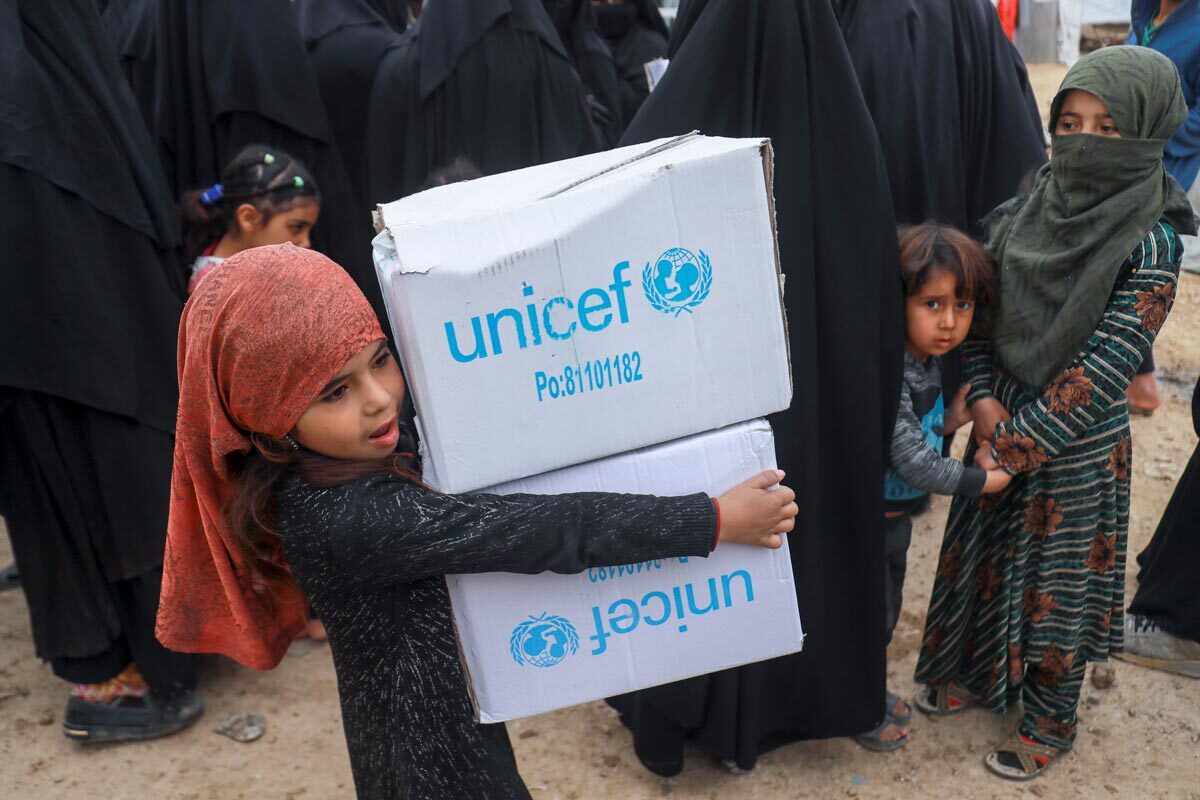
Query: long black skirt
[[85, 495], [1169, 580]]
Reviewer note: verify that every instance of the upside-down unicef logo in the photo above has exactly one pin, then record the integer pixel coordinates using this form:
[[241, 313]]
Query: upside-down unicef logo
[[543, 641], [677, 281]]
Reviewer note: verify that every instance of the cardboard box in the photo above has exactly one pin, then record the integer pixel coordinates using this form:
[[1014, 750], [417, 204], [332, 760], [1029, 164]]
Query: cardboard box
[[535, 643], [567, 312]]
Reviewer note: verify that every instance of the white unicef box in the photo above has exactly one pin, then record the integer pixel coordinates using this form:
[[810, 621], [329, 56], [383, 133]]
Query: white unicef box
[[566, 312], [535, 643]]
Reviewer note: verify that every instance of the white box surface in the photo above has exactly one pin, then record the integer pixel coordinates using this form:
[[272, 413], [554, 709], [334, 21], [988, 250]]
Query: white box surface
[[563, 313], [536, 643]]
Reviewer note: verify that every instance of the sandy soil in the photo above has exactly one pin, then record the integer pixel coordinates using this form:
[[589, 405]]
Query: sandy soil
[[1139, 739]]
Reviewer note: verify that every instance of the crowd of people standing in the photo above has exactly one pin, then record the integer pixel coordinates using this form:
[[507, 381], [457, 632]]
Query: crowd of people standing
[[153, 152]]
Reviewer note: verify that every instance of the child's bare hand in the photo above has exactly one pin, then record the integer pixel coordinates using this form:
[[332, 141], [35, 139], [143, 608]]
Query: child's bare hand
[[997, 481], [753, 513], [984, 459], [958, 414], [988, 413]]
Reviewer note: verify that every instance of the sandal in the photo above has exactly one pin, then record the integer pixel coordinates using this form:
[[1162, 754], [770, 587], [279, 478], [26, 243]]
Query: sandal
[[944, 700], [1033, 757], [892, 701], [872, 741]]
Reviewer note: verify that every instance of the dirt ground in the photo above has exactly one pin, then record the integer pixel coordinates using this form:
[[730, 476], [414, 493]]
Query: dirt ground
[[1139, 739]]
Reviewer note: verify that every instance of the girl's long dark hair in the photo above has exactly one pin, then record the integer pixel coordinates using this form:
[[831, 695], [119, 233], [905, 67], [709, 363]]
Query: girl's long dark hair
[[265, 177], [251, 513]]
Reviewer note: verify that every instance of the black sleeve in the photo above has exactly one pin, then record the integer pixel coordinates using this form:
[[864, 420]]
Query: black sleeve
[[395, 531]]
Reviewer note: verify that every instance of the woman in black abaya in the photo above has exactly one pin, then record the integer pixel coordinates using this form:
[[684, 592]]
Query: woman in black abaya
[[951, 102], [486, 80], [779, 68], [233, 73], [87, 382], [131, 26], [635, 33], [1162, 628], [346, 40], [953, 107], [576, 27]]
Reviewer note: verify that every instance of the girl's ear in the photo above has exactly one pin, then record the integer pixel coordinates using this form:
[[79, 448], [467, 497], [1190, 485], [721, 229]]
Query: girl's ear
[[248, 218], [279, 451]]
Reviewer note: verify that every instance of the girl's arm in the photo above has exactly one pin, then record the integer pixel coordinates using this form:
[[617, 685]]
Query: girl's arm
[[977, 368], [986, 410], [1098, 377], [399, 532]]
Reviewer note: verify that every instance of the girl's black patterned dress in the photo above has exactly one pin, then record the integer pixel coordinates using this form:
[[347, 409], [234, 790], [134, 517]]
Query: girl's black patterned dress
[[371, 554]]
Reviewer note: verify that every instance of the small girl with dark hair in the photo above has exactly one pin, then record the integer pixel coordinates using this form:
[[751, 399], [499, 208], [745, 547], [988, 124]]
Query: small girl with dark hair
[[265, 196], [947, 280], [290, 475]]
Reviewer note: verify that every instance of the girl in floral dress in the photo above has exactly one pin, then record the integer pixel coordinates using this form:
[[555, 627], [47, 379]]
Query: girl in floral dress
[[1030, 582]]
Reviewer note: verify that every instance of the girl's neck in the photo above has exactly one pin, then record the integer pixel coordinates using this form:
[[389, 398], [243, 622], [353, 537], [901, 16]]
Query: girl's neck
[[227, 247]]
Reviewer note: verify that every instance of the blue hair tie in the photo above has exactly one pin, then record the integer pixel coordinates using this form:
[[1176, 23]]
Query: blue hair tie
[[212, 194]]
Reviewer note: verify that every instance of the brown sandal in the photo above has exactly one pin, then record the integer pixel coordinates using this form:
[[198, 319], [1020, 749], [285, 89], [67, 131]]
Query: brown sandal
[[1032, 756], [944, 700]]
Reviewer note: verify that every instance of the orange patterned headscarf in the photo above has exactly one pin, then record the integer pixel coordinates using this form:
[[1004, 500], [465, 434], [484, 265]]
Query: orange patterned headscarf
[[260, 338]]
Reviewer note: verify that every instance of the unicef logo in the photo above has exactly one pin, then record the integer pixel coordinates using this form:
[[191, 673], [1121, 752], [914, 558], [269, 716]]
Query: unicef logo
[[677, 281], [543, 641]]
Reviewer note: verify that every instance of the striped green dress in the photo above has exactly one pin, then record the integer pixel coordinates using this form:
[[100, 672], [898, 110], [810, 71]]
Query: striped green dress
[[1030, 582]]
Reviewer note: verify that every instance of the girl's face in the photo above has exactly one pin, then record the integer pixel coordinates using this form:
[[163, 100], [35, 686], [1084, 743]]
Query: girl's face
[[355, 416], [1083, 112], [291, 225], [935, 320]]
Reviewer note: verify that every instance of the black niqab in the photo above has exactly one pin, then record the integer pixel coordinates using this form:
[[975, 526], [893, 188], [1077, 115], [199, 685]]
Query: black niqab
[[504, 96], [575, 23], [636, 34], [232, 73], [131, 26], [952, 104], [394, 12], [779, 68], [346, 40]]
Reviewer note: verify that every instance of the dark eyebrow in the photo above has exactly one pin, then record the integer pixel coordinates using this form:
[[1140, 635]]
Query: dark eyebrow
[[333, 383]]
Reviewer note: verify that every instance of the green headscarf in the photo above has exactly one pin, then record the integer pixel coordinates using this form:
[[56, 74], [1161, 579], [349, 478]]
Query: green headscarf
[[1061, 249]]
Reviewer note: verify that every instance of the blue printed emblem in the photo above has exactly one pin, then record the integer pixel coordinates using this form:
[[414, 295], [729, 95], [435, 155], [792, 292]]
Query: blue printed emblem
[[543, 641], [677, 281]]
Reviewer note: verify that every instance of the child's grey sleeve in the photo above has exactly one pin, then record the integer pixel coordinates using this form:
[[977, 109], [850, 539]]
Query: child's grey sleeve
[[922, 466]]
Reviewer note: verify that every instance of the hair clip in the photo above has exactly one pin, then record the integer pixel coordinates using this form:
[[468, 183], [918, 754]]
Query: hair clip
[[212, 194], [268, 159], [298, 182]]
